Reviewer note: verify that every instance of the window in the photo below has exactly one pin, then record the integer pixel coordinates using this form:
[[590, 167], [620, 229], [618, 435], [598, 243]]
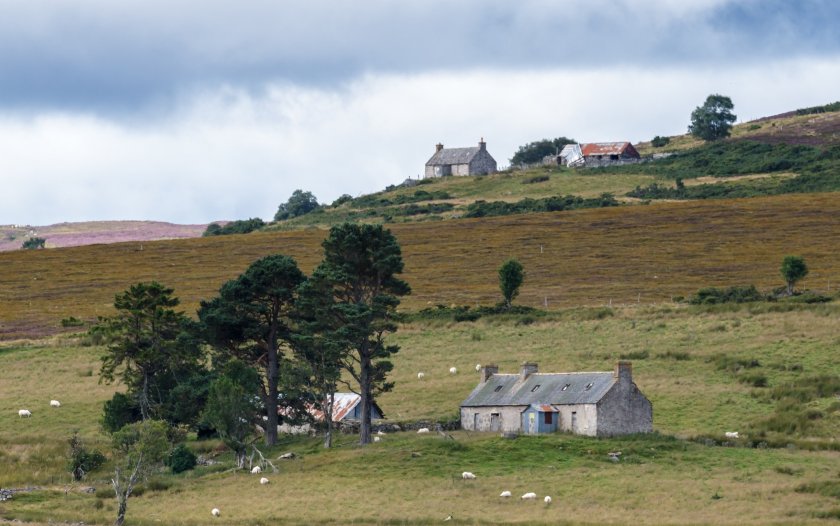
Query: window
[[534, 390], [566, 387], [589, 386], [549, 418], [497, 389]]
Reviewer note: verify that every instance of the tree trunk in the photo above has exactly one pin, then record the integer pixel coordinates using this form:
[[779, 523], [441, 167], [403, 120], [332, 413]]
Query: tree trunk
[[364, 388], [240, 458], [328, 416], [271, 403], [144, 398], [123, 504]]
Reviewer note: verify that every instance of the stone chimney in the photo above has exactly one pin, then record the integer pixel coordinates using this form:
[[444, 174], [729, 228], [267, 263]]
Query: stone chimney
[[623, 371], [527, 369], [482, 145], [438, 147], [487, 371]]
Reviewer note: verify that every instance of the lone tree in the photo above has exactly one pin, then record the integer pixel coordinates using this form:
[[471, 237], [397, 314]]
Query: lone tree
[[713, 120], [139, 449], [511, 276], [147, 344], [793, 269], [250, 320], [34, 243], [360, 267], [300, 203]]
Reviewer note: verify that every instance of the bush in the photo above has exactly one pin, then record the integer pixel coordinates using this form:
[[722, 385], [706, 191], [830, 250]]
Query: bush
[[34, 243], [71, 322], [534, 152], [80, 460], [659, 142], [536, 179], [119, 411], [242, 226], [713, 295], [181, 459], [547, 204], [635, 355]]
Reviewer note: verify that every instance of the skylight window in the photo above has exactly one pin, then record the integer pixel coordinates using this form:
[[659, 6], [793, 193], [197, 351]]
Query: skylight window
[[589, 386], [566, 387], [497, 389], [534, 390]]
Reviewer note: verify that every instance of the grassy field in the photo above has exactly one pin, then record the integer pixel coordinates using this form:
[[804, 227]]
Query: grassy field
[[609, 256], [414, 479]]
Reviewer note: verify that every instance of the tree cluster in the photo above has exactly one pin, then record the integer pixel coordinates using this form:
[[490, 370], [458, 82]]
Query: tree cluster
[[299, 203], [534, 152]]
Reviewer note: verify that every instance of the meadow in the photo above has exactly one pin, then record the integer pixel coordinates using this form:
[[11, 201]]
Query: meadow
[[685, 473]]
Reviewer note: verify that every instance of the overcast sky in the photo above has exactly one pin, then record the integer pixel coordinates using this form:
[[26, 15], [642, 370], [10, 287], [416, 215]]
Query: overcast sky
[[194, 111]]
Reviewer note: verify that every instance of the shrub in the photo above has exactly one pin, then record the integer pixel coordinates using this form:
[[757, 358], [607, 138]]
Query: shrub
[[753, 378], [242, 226], [659, 142], [158, 485], [119, 411], [548, 204], [81, 460], [34, 243], [71, 322], [807, 388], [635, 355], [713, 295], [674, 355], [728, 363], [536, 179]]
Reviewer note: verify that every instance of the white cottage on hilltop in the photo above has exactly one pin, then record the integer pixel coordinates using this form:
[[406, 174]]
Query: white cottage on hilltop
[[460, 161], [593, 404]]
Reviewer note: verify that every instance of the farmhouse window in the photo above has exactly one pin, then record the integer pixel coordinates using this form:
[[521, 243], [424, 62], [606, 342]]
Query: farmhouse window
[[497, 389], [548, 418], [534, 390]]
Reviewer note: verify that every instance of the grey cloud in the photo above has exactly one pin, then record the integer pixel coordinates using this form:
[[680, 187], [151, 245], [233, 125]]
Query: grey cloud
[[105, 56]]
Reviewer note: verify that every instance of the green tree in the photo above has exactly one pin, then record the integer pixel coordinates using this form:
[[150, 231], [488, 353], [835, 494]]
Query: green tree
[[300, 203], [511, 276], [139, 449], [534, 152], [80, 459], [250, 320], [34, 243], [233, 410], [713, 120], [147, 344], [240, 226], [360, 267], [793, 269]]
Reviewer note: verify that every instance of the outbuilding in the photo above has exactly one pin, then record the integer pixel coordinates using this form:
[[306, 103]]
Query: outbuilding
[[584, 403]]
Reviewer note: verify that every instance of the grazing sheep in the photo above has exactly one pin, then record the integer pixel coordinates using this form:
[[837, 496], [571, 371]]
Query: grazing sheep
[[377, 439], [25, 413], [547, 499], [423, 430], [263, 481], [215, 512], [529, 496], [478, 367], [453, 370], [467, 475], [504, 494], [55, 403], [421, 375], [731, 434], [380, 433], [256, 470]]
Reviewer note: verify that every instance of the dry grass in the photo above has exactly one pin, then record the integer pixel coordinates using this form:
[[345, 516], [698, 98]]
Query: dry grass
[[589, 257]]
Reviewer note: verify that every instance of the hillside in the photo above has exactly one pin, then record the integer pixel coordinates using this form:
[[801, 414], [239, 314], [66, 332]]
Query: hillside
[[95, 232], [617, 255]]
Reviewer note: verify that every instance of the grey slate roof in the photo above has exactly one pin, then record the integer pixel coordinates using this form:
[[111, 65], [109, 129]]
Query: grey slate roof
[[448, 156], [555, 388]]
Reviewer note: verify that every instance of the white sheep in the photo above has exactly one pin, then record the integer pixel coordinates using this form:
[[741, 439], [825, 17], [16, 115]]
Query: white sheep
[[529, 496], [547, 499], [421, 375], [377, 439], [453, 370], [423, 430], [24, 413], [504, 494], [731, 434], [380, 432], [55, 403], [263, 481], [478, 367], [215, 512], [256, 470], [467, 475]]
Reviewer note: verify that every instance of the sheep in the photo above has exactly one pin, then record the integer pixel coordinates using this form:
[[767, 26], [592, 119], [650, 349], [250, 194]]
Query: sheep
[[477, 367], [731, 434], [215, 512], [529, 496], [423, 430], [256, 470], [547, 499], [55, 403], [377, 439], [504, 494], [467, 475], [421, 375], [380, 432], [264, 481], [453, 370], [24, 413]]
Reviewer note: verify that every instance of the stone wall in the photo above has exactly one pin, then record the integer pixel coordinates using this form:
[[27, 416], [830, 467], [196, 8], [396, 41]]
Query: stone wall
[[624, 410], [482, 164]]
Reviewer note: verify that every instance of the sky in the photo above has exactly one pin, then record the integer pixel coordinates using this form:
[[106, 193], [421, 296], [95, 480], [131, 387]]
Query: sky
[[196, 111]]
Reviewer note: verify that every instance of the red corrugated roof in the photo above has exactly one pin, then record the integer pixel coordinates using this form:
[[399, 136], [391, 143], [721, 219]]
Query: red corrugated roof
[[603, 148]]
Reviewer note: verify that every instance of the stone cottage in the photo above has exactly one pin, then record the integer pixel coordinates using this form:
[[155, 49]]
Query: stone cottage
[[460, 161], [592, 404]]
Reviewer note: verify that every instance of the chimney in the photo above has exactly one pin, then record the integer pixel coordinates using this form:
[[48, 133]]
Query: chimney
[[438, 147], [623, 371], [487, 371], [482, 145], [527, 369]]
